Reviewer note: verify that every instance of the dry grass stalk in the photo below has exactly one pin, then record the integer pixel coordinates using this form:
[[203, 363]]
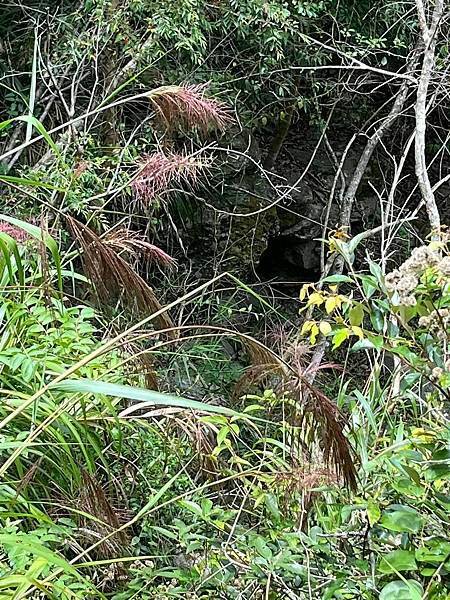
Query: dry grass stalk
[[93, 501], [123, 240], [321, 420], [259, 354], [264, 365], [141, 363], [186, 106], [302, 480], [150, 374], [158, 172], [316, 416], [113, 278], [28, 477], [254, 375], [203, 440]]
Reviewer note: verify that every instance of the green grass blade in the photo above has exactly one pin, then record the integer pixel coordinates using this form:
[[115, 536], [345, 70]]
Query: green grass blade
[[41, 129], [89, 386], [5, 124], [6, 243], [28, 182], [42, 236]]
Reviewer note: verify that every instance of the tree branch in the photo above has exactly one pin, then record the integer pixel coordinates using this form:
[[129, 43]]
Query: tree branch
[[429, 40]]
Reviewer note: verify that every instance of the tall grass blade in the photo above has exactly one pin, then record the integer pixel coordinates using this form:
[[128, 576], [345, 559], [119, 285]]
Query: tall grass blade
[[42, 236], [89, 386]]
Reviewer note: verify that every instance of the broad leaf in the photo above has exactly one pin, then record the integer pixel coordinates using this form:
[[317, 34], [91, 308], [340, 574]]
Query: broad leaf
[[402, 519], [398, 560], [402, 590]]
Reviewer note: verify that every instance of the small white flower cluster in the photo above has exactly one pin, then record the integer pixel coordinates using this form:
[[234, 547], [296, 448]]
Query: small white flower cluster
[[444, 266], [437, 372], [402, 284], [421, 258], [437, 322], [142, 564], [403, 281]]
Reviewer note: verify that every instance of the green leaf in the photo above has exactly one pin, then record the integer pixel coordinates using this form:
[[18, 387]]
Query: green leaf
[[223, 433], [37, 567], [262, 548], [206, 507], [297, 569], [440, 468], [402, 590], [436, 551], [271, 503], [398, 560], [377, 341], [5, 124], [192, 507], [407, 487], [28, 182], [377, 319], [339, 337], [406, 470], [356, 314], [25, 543], [165, 532], [89, 386], [29, 119], [402, 519], [337, 279], [369, 285], [355, 241], [362, 345], [375, 269], [27, 369], [9, 250], [365, 404], [443, 500], [373, 512]]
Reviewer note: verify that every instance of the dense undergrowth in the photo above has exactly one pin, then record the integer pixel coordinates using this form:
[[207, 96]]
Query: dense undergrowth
[[107, 498], [172, 426]]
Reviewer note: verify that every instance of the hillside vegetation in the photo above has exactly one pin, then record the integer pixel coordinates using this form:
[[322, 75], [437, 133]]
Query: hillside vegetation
[[225, 300]]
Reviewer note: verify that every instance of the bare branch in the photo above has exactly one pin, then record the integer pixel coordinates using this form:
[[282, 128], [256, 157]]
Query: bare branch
[[371, 144], [429, 40]]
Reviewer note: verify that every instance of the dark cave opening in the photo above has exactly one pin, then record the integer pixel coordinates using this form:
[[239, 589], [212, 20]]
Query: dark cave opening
[[288, 258]]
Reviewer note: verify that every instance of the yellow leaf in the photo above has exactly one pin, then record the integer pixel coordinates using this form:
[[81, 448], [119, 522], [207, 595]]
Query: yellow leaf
[[358, 331], [424, 435], [373, 512], [330, 304], [356, 314], [333, 288], [306, 327], [340, 299], [315, 299], [314, 332], [324, 327], [304, 291]]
